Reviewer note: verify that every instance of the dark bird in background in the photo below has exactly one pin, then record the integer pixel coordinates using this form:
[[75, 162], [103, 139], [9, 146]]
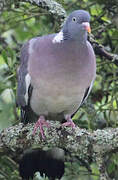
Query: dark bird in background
[[48, 162], [56, 75]]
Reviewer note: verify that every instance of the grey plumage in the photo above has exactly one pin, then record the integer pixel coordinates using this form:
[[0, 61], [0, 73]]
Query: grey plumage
[[59, 72], [55, 77]]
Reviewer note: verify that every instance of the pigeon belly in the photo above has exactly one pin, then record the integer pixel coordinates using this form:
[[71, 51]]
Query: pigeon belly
[[58, 85], [53, 100]]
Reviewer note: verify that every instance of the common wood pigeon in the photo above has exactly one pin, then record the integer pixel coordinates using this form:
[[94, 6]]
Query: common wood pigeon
[[56, 73]]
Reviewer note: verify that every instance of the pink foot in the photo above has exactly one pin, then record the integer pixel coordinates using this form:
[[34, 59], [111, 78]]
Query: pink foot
[[69, 122], [39, 124]]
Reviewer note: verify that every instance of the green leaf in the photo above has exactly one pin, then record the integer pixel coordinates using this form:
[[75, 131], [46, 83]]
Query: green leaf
[[4, 55]]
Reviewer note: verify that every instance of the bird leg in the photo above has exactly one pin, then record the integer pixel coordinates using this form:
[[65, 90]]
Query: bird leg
[[39, 124], [69, 122]]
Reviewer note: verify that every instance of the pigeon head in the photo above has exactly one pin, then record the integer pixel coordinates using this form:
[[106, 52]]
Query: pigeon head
[[77, 25]]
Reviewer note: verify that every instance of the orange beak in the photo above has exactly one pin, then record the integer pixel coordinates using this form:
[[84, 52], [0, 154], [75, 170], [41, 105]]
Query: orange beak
[[87, 26]]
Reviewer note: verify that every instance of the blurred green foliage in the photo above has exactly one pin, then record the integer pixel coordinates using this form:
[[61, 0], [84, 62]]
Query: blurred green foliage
[[19, 24]]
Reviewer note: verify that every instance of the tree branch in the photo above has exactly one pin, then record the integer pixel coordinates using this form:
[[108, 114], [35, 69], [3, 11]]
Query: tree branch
[[79, 142], [100, 50], [51, 6]]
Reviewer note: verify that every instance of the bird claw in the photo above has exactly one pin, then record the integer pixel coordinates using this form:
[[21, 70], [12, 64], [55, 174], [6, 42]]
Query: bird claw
[[69, 122], [39, 124]]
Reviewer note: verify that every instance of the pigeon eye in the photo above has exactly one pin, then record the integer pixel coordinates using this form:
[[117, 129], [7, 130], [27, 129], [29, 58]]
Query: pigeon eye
[[74, 19]]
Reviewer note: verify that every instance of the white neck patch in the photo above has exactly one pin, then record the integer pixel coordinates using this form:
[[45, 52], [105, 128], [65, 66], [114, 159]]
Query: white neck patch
[[58, 38]]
